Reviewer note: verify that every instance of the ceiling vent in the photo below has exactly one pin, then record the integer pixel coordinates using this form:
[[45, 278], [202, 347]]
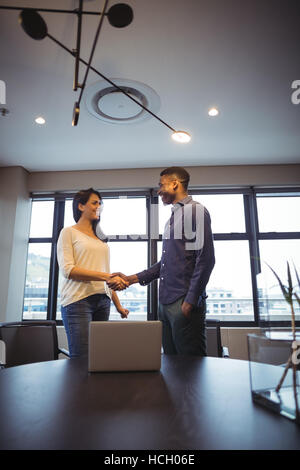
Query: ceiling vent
[[109, 104]]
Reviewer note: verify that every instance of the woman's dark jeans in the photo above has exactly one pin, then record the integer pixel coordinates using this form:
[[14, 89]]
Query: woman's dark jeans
[[76, 318]]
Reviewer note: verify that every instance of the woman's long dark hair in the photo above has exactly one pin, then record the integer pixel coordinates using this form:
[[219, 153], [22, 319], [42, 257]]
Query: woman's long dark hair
[[82, 197]]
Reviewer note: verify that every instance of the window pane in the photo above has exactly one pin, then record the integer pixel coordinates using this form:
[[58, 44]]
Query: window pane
[[276, 253], [130, 258], [69, 220], [37, 279], [278, 214], [58, 305], [164, 213], [41, 219], [121, 216], [229, 288], [226, 212], [124, 216]]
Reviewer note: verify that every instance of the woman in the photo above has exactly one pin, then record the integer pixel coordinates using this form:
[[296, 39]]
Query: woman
[[84, 261]]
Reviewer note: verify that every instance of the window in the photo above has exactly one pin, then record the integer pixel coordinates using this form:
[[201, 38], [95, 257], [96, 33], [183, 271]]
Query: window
[[231, 276], [249, 225], [130, 258], [37, 281], [278, 213], [41, 219], [38, 261], [124, 216], [279, 242], [231, 279], [124, 221], [226, 211]]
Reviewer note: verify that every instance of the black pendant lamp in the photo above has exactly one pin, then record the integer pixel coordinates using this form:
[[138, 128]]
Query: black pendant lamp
[[119, 15]]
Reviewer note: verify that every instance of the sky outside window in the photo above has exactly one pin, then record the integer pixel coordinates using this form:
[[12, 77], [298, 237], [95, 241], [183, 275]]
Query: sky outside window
[[278, 214], [41, 219], [226, 212]]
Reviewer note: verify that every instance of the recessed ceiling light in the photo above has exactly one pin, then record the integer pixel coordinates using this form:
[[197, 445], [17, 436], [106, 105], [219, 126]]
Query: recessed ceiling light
[[40, 120], [181, 136], [107, 103], [213, 112]]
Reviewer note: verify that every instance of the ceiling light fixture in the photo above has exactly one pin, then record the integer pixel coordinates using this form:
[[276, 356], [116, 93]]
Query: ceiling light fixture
[[119, 15], [181, 136], [104, 102], [213, 112], [40, 120]]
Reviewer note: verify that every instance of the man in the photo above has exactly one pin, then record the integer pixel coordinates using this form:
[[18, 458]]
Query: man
[[185, 267]]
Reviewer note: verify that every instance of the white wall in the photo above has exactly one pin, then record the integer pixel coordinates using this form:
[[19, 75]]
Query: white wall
[[141, 178], [14, 229]]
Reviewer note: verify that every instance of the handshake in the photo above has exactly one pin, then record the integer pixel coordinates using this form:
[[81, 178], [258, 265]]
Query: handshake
[[119, 281]]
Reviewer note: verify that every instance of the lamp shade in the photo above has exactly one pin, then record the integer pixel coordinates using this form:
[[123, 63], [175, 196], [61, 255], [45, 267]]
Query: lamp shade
[[120, 15], [181, 136], [76, 112], [33, 24]]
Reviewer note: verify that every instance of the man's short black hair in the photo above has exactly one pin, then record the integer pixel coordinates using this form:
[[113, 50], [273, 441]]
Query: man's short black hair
[[179, 173]]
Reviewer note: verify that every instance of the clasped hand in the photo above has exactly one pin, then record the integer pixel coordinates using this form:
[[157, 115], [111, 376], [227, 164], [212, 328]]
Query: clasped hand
[[122, 280], [116, 282]]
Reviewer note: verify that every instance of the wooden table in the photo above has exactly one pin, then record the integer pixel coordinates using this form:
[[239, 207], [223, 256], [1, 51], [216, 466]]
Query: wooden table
[[192, 403]]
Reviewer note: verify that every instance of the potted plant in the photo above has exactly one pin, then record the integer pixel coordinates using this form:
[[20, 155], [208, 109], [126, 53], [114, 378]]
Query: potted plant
[[290, 295], [273, 359]]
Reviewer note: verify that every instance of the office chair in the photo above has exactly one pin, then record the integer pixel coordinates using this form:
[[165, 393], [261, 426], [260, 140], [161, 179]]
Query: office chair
[[29, 341], [213, 339]]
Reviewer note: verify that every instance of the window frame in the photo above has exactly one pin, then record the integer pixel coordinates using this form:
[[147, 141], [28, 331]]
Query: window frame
[[276, 235], [251, 235]]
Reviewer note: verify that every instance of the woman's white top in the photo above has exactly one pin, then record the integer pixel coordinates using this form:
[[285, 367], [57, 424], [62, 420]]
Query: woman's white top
[[75, 248]]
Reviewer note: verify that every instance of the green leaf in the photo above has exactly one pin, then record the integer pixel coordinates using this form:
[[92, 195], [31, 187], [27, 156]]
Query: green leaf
[[284, 289], [289, 279], [297, 276], [298, 298]]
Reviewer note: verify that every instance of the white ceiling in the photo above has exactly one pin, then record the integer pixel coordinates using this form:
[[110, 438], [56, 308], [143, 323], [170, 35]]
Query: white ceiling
[[239, 55]]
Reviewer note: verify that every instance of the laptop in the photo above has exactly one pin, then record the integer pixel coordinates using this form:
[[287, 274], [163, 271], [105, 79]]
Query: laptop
[[124, 346]]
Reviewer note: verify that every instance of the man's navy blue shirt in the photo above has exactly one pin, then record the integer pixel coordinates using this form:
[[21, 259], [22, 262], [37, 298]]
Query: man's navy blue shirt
[[185, 267]]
